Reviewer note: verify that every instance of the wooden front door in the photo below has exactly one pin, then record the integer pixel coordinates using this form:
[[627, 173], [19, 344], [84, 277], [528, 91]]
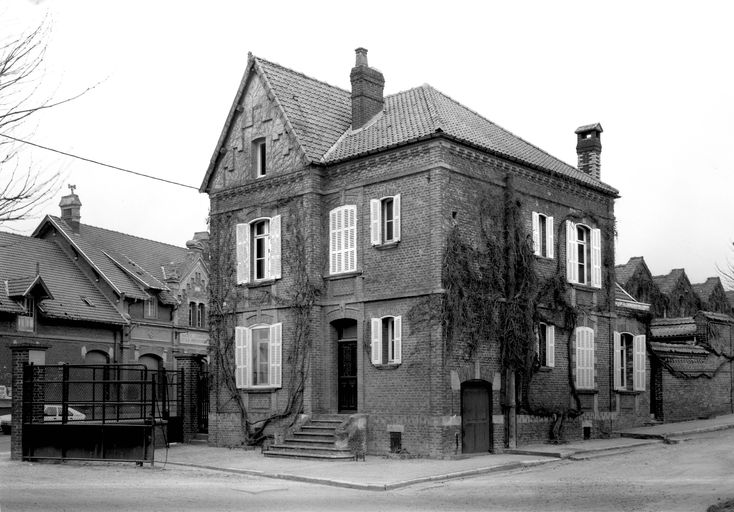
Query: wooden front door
[[476, 418], [347, 368]]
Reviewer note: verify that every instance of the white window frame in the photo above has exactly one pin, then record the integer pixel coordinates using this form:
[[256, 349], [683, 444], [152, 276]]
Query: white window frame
[[585, 374], [27, 320], [395, 345], [550, 344], [244, 356], [639, 361], [150, 308], [538, 231], [245, 250], [592, 265], [343, 239], [261, 157], [378, 220]]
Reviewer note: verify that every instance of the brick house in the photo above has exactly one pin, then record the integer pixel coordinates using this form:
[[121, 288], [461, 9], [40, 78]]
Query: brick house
[[713, 296], [94, 295], [680, 297], [353, 195]]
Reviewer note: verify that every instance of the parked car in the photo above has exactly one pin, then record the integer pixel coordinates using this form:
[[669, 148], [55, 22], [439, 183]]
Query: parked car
[[51, 413]]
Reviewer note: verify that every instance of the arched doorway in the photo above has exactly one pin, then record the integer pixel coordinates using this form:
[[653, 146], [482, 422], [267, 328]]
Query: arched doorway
[[151, 361], [476, 417], [347, 385]]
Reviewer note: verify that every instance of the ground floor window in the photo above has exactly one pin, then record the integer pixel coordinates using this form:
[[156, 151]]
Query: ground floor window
[[386, 340], [630, 357], [258, 356]]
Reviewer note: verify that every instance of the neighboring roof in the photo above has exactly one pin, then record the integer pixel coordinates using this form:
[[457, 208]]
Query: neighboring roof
[[667, 283], [625, 272], [705, 289], [623, 299], [320, 116], [673, 327], [677, 348], [716, 317], [730, 297], [22, 256], [129, 263]]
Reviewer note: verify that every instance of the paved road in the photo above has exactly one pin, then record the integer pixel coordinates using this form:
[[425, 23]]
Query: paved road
[[688, 476]]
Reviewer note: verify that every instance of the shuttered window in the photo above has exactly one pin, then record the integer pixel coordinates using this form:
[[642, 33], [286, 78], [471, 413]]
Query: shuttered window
[[640, 358], [258, 356], [343, 239], [385, 220], [543, 235], [546, 345], [386, 337], [583, 255], [585, 358], [258, 250]]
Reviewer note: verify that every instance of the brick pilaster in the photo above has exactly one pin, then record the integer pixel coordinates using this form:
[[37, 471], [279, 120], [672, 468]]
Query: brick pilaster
[[189, 363], [20, 360]]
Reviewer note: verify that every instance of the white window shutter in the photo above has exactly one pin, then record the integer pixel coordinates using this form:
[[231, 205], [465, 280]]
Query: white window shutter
[[242, 337], [334, 239], [350, 242], [572, 267], [584, 358], [397, 339], [536, 234], [375, 222], [639, 346], [618, 384], [275, 247], [376, 335], [596, 258], [243, 253], [276, 354], [396, 217], [549, 236], [550, 346]]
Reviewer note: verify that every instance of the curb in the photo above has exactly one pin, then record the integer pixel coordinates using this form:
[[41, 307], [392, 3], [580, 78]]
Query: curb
[[370, 487], [663, 437]]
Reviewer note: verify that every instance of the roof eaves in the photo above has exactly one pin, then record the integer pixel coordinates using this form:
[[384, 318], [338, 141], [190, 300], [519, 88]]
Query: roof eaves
[[134, 276]]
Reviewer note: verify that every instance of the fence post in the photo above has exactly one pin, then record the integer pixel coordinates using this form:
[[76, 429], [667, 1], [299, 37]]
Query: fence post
[[23, 354], [189, 363]]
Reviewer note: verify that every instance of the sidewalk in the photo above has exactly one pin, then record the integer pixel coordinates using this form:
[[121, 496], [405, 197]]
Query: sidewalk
[[382, 474]]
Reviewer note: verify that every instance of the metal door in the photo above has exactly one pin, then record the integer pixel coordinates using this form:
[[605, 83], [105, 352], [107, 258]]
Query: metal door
[[347, 369], [476, 418]]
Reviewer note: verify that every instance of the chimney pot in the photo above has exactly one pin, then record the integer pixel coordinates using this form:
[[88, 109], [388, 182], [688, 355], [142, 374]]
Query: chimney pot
[[361, 57], [368, 86], [588, 149]]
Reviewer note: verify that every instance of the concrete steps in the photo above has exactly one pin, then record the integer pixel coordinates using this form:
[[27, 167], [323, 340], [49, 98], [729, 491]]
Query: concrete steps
[[314, 440]]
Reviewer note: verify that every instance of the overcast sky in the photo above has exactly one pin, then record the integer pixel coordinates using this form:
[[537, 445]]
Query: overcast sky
[[658, 76]]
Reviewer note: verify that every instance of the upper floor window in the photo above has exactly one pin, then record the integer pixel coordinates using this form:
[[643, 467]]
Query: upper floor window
[[200, 316], [343, 239], [585, 358], [583, 255], [545, 344], [27, 320], [258, 250], [386, 340], [258, 356], [543, 235], [192, 314], [385, 220], [150, 308], [630, 356], [260, 157]]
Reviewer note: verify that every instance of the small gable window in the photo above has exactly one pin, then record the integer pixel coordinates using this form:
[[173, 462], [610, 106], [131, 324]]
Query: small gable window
[[386, 340], [258, 250], [385, 220], [542, 235], [27, 320], [200, 316], [259, 149], [151, 308]]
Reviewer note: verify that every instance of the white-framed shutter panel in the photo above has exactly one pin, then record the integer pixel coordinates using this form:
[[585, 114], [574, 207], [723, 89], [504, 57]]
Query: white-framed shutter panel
[[243, 253], [596, 258], [375, 223], [572, 267], [376, 335], [276, 354], [584, 358], [549, 237], [275, 238], [397, 339], [550, 346], [334, 241], [242, 336], [396, 218], [639, 347], [350, 238], [536, 234], [618, 384]]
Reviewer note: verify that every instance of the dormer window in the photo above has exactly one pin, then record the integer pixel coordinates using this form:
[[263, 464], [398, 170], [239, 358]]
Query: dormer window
[[151, 308], [260, 157], [27, 320]]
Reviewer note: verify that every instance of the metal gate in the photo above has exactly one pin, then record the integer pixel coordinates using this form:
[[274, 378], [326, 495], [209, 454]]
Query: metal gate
[[90, 412], [169, 389], [202, 407]]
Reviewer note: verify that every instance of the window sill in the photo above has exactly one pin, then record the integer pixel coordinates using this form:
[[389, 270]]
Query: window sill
[[546, 258], [587, 391], [387, 245], [628, 392], [387, 366], [262, 282], [343, 275], [262, 390], [586, 287], [545, 369]]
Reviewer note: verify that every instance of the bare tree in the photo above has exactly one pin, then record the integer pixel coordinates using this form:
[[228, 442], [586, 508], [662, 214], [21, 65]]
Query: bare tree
[[22, 187]]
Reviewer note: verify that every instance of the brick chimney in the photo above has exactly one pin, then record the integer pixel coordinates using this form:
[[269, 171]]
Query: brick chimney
[[367, 90], [71, 208], [588, 149]]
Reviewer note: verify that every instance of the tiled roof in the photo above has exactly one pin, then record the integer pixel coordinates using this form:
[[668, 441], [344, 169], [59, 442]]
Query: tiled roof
[[320, 116], [19, 256], [717, 317], [673, 327], [705, 289], [666, 283], [19, 286], [730, 296], [130, 263], [623, 299], [625, 272], [677, 348]]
